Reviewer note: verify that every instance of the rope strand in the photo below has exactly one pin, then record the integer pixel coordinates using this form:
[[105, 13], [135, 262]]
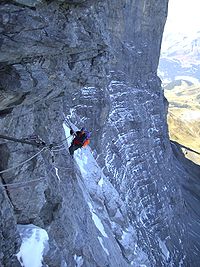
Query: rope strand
[[23, 162], [21, 183], [24, 184], [62, 142], [55, 148]]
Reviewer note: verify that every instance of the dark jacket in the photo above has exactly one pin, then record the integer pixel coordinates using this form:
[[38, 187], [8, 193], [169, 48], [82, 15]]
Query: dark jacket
[[79, 138]]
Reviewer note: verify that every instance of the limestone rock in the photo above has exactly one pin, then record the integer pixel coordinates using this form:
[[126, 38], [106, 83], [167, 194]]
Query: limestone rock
[[120, 202]]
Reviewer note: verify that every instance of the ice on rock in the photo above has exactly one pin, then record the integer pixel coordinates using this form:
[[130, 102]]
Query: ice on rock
[[34, 245]]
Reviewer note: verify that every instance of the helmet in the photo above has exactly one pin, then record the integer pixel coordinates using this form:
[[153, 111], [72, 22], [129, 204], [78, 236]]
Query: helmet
[[83, 129]]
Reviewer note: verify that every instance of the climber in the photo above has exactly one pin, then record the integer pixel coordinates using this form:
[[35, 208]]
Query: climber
[[81, 140]]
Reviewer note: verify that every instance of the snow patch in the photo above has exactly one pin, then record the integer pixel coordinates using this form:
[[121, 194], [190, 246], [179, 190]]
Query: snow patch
[[101, 242], [79, 260], [67, 134], [127, 238], [97, 221], [164, 249], [101, 181], [81, 161], [34, 244]]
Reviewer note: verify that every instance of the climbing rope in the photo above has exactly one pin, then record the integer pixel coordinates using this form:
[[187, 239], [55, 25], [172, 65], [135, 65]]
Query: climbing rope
[[25, 184], [21, 183], [60, 149], [32, 183], [23, 162], [61, 144], [23, 141], [52, 148]]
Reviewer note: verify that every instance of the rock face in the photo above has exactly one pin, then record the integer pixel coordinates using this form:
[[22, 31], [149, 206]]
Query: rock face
[[94, 62]]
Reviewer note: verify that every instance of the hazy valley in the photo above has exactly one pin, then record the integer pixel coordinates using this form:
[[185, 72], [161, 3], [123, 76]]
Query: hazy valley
[[184, 116]]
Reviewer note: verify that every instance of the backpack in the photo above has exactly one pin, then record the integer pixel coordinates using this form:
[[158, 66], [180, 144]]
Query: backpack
[[86, 140]]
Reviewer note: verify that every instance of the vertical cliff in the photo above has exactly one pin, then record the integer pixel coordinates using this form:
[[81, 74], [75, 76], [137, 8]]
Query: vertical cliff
[[95, 63]]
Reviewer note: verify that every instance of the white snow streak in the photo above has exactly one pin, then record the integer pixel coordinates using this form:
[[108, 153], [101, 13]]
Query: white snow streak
[[67, 133], [101, 242], [79, 260], [181, 262], [164, 249], [126, 235], [127, 238], [56, 169], [82, 161], [34, 241], [97, 221], [101, 181]]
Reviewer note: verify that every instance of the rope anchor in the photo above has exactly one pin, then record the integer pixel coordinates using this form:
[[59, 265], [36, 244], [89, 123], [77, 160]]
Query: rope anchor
[[38, 142], [33, 140]]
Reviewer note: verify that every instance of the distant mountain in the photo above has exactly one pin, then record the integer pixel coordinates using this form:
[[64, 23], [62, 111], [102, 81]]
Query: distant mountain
[[180, 56], [179, 70]]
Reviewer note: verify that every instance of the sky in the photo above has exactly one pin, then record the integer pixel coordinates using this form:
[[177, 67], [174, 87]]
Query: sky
[[183, 16]]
